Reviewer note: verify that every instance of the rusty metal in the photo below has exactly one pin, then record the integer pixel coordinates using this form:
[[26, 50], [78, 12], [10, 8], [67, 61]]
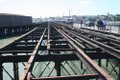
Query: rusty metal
[[48, 39], [30, 62], [55, 57], [1, 70], [106, 48], [16, 71], [74, 77], [88, 61], [114, 34], [119, 70], [54, 40], [57, 67]]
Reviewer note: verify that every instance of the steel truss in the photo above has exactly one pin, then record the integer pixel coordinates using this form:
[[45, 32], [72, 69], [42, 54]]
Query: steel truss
[[58, 43]]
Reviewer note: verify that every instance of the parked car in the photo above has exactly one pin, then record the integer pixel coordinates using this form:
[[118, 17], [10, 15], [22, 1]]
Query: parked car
[[90, 23]]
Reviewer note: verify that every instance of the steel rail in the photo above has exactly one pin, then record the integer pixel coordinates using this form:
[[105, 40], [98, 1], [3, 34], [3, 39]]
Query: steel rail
[[76, 35], [103, 36], [110, 50], [48, 39], [87, 60], [73, 77], [115, 34], [30, 63], [102, 46]]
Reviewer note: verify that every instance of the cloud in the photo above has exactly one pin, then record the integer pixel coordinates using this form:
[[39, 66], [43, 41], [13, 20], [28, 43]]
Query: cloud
[[86, 2], [2, 1]]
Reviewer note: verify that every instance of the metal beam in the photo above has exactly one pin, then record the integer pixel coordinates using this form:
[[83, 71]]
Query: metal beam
[[52, 57], [39, 58], [1, 70], [30, 62], [15, 51], [115, 34], [102, 46], [73, 77], [87, 60]]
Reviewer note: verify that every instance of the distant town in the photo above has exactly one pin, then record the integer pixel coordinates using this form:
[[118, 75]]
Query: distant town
[[76, 18]]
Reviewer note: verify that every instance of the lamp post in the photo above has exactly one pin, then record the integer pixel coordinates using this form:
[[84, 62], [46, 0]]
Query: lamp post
[[69, 13]]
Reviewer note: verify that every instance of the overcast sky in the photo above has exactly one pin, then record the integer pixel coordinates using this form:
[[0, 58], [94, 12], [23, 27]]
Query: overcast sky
[[47, 8]]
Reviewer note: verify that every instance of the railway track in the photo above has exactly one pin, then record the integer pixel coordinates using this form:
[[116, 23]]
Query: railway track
[[58, 45], [102, 42], [99, 41]]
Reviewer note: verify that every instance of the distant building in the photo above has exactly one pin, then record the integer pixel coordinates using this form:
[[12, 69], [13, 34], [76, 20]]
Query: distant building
[[7, 20]]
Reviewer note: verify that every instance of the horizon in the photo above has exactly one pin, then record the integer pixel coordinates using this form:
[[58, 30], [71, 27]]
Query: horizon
[[54, 8]]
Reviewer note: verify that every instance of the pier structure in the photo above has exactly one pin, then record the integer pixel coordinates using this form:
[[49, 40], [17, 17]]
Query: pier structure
[[97, 53], [14, 24]]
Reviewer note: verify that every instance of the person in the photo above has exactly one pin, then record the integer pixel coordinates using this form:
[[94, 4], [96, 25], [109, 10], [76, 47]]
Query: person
[[101, 25], [81, 23], [104, 25]]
